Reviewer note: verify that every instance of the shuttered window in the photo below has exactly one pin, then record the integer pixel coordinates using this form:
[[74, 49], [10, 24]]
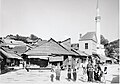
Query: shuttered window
[[86, 45]]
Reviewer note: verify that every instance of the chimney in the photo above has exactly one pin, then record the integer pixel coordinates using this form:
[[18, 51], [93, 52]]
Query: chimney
[[80, 36]]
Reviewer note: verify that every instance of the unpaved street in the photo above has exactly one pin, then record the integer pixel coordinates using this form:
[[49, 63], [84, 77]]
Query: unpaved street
[[43, 77]]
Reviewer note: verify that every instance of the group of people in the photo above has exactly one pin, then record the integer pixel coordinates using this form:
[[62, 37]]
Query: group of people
[[56, 73], [74, 73], [92, 72]]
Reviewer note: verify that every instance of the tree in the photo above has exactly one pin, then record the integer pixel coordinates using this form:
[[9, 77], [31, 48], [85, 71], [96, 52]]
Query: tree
[[112, 49], [17, 37], [115, 44], [103, 40], [33, 37]]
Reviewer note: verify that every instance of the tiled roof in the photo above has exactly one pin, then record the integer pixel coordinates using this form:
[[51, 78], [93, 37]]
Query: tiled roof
[[89, 36], [67, 44], [49, 48], [17, 49], [40, 42], [9, 55]]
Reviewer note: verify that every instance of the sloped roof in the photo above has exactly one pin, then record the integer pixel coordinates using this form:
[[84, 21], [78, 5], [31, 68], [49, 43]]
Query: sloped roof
[[40, 42], [9, 55], [18, 49], [67, 44], [67, 40], [89, 36], [49, 48], [81, 52]]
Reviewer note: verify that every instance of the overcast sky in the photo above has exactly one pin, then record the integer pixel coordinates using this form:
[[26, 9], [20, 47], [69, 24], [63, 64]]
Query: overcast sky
[[59, 19]]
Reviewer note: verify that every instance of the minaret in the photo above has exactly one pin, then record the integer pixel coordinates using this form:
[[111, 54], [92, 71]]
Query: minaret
[[97, 19]]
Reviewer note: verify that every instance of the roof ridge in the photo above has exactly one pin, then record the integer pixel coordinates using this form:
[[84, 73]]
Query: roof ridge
[[59, 44], [65, 40]]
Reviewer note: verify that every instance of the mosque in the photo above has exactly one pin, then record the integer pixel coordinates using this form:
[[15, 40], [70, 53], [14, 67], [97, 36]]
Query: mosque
[[90, 42]]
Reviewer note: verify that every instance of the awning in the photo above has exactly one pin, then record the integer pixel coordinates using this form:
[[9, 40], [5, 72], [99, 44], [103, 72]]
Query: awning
[[56, 58], [41, 57]]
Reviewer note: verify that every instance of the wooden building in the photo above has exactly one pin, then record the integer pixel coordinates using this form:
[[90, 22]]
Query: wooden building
[[50, 52], [8, 60]]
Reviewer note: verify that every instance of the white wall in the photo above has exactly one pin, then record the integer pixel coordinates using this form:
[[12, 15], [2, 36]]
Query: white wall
[[91, 46]]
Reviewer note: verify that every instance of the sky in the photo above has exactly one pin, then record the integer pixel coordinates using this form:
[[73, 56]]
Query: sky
[[58, 19]]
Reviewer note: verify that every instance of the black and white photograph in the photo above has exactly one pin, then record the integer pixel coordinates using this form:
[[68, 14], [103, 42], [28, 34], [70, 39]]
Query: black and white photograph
[[59, 42]]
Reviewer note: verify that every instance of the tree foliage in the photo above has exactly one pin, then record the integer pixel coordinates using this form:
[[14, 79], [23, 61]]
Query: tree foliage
[[33, 37], [103, 40], [112, 49], [22, 38], [115, 44]]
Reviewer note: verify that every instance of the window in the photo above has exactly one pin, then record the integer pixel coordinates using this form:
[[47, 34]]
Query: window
[[86, 45]]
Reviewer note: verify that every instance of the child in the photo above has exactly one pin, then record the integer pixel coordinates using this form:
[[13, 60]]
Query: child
[[58, 73], [74, 75], [52, 75]]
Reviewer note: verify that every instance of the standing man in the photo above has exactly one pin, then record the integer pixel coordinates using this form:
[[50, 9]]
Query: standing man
[[100, 72], [90, 71]]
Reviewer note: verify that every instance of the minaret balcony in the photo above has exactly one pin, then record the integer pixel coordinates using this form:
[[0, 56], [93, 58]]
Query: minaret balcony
[[98, 18]]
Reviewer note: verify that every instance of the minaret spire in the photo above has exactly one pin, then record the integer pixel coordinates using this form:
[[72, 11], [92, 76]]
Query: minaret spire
[[99, 49], [97, 4], [97, 19]]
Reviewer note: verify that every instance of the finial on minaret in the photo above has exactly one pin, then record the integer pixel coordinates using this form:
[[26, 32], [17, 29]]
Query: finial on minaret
[[97, 5]]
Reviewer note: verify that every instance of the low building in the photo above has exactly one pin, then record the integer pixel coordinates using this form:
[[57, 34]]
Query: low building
[[11, 45], [50, 52], [8, 60], [88, 43]]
